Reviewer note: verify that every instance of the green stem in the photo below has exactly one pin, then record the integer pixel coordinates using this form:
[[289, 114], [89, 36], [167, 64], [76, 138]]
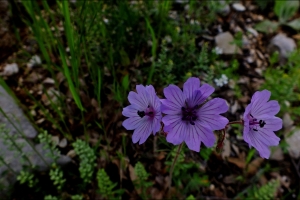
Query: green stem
[[7, 165], [236, 122], [173, 165]]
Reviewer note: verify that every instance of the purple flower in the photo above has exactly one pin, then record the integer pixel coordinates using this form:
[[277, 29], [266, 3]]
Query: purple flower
[[188, 119], [144, 113], [260, 122]]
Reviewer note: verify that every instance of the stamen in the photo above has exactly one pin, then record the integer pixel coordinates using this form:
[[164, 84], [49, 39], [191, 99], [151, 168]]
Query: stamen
[[141, 113], [255, 129]]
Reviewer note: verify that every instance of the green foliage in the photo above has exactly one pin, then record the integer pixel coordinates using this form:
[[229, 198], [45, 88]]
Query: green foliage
[[106, 186], [28, 178], [205, 152], [284, 82], [50, 197], [187, 174], [46, 139], [141, 183], [56, 175], [164, 65], [191, 197], [87, 159], [267, 191], [76, 197], [284, 10]]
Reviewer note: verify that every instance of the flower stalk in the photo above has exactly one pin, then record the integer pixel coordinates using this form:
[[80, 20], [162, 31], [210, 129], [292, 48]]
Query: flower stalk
[[173, 165]]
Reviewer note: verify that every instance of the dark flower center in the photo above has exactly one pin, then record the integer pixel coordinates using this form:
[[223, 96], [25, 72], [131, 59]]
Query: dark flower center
[[255, 122], [189, 114], [149, 112]]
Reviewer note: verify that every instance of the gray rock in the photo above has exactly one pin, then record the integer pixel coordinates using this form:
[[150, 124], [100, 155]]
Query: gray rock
[[19, 151], [284, 45], [224, 41], [238, 7], [15, 115], [293, 142]]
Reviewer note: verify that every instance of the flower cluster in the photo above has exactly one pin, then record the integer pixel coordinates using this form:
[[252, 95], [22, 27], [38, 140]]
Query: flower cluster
[[191, 118]]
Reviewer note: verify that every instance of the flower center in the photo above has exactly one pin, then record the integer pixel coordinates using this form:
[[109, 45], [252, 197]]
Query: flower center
[[189, 114], [148, 112], [255, 122]]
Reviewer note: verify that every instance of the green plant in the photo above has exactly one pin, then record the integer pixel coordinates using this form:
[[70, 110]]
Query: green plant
[[46, 140], [141, 183], [76, 197], [56, 175], [267, 191], [50, 197], [284, 10], [284, 82], [87, 159], [106, 186], [27, 177], [164, 66]]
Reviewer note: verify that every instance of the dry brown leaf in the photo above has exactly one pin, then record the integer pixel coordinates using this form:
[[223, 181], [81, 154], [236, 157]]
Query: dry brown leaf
[[133, 177], [237, 161], [254, 165], [240, 161]]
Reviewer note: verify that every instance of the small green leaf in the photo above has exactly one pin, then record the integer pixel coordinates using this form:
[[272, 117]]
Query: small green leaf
[[266, 26], [285, 9], [295, 24]]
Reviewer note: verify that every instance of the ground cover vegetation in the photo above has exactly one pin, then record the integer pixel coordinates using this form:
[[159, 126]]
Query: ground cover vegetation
[[79, 60]]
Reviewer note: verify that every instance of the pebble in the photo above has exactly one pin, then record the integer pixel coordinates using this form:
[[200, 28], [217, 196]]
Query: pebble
[[238, 7], [10, 69], [224, 42], [283, 44]]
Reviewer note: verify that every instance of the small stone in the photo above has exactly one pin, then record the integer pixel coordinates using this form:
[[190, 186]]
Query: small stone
[[63, 143], [252, 31], [293, 142], [284, 45], [55, 140], [238, 7], [10, 69], [71, 153], [224, 8], [224, 41], [34, 61], [49, 81], [287, 121]]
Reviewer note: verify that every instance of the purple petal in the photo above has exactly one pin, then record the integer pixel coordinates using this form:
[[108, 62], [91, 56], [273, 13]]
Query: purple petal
[[153, 99], [129, 111], [133, 122], [170, 119], [267, 137], [175, 95], [136, 101], [192, 138], [254, 140], [156, 124], [215, 122], [273, 123], [196, 134], [213, 107], [269, 108], [265, 153], [247, 112], [176, 132], [142, 132], [258, 101], [168, 107], [190, 86], [200, 95]]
